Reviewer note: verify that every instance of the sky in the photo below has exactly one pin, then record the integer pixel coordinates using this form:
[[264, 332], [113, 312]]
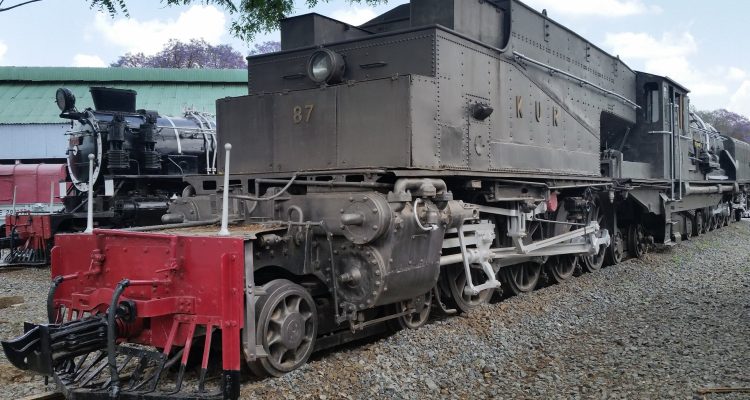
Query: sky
[[703, 45]]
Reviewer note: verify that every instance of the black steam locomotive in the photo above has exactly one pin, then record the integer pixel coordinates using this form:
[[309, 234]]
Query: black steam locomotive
[[140, 156], [139, 160], [442, 152]]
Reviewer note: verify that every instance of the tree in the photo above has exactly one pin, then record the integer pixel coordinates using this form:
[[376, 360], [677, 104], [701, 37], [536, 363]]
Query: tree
[[250, 17], [195, 54], [728, 123], [110, 6], [266, 47]]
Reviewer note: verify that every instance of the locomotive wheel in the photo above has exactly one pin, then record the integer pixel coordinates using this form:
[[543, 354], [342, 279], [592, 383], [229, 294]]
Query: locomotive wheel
[[712, 224], [636, 241], [422, 306], [523, 278], [615, 251], [688, 228], [561, 268], [454, 278], [698, 226], [706, 222], [286, 326], [594, 262]]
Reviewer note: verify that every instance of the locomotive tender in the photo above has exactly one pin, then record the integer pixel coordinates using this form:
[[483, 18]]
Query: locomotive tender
[[140, 159], [439, 153]]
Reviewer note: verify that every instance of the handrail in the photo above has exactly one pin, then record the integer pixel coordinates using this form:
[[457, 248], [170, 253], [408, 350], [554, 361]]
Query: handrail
[[582, 81]]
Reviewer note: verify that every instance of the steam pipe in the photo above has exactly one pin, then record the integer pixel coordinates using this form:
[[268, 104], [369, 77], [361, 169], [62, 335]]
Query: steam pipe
[[402, 185], [709, 189], [326, 183], [111, 339]]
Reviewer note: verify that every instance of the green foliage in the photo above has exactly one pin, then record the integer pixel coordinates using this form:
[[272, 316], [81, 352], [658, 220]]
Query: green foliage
[[111, 7], [250, 17]]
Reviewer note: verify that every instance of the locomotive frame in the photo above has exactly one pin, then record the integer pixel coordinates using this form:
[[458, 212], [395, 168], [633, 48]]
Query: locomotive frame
[[420, 161]]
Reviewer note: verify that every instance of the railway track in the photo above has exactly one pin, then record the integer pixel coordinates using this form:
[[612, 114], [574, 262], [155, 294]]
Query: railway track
[[45, 396]]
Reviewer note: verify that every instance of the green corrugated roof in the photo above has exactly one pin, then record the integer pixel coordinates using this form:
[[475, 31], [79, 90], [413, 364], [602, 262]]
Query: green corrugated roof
[[27, 94], [73, 74]]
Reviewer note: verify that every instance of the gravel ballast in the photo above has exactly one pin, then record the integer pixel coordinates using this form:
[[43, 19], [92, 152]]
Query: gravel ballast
[[661, 327]]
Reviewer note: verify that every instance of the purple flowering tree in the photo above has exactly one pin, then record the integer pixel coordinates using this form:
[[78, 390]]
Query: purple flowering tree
[[193, 54], [265, 47]]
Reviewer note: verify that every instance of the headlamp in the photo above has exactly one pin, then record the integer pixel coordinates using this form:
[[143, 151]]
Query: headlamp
[[326, 66], [65, 100]]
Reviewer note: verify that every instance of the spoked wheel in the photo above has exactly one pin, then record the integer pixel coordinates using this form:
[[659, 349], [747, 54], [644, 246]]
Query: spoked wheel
[[616, 249], [561, 268], [706, 222], [712, 222], [421, 305], [698, 226], [286, 326], [594, 262], [688, 227], [636, 241], [454, 280], [523, 278]]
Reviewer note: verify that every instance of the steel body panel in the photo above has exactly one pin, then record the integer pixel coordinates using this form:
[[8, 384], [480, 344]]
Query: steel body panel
[[309, 29], [479, 20], [740, 151], [542, 123], [373, 131], [33, 183], [542, 39], [366, 59]]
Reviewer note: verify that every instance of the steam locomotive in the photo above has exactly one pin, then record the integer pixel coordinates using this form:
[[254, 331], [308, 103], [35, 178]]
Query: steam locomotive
[[440, 153], [140, 158]]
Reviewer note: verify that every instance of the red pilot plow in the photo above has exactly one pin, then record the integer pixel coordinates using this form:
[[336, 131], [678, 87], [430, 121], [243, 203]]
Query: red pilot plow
[[133, 327]]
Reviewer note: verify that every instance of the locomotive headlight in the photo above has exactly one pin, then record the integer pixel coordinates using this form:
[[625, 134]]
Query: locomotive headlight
[[65, 100], [326, 66]]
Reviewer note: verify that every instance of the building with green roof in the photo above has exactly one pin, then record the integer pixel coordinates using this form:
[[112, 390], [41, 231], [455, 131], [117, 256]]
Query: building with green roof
[[30, 127]]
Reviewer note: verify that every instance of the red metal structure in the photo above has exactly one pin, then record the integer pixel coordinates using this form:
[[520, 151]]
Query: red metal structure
[[29, 202], [185, 291], [33, 183]]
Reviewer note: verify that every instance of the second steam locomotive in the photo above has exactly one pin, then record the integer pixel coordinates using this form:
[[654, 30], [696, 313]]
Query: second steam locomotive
[[140, 158], [422, 161]]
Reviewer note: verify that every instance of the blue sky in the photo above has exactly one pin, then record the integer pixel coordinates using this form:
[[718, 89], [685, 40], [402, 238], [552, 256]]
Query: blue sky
[[703, 45]]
